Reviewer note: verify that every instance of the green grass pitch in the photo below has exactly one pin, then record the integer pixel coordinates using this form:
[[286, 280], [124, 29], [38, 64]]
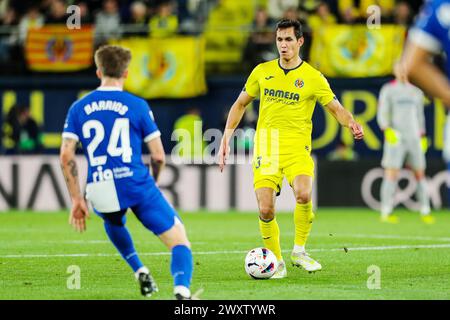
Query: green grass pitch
[[36, 250]]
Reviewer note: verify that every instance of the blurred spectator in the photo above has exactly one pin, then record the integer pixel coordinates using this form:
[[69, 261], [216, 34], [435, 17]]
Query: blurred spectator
[[22, 131], [165, 22], [9, 17], [138, 11], [94, 5], [57, 13], [348, 12], [295, 14], [277, 8], [85, 13], [318, 23], [32, 19], [19, 6], [138, 20], [4, 4], [309, 6], [322, 17], [291, 13], [343, 152], [355, 11], [107, 22], [386, 7], [8, 39], [402, 14], [183, 12], [191, 15], [188, 131], [45, 5], [261, 43]]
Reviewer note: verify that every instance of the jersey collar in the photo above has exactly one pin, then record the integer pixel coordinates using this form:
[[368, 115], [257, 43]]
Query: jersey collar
[[105, 88], [286, 71]]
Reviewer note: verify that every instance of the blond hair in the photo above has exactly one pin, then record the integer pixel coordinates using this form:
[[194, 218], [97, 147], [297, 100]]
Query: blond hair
[[112, 60]]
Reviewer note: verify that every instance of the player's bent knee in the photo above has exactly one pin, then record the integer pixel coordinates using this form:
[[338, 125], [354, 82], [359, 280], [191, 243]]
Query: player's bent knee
[[303, 197], [179, 242], [114, 219], [266, 212], [175, 236]]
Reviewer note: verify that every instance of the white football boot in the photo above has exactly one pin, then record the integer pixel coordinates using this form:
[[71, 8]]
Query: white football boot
[[305, 261], [281, 271]]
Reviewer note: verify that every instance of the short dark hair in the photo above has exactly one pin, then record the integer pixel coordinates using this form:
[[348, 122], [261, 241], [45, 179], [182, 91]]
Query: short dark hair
[[288, 23], [112, 60]]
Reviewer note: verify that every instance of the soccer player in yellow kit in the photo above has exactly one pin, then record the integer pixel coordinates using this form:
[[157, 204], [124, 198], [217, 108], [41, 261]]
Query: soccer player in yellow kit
[[288, 89]]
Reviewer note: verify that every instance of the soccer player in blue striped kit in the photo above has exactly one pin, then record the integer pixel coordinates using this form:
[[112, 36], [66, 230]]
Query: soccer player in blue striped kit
[[111, 125]]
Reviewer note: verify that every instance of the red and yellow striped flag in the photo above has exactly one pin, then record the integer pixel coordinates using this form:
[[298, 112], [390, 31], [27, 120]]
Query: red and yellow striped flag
[[57, 48]]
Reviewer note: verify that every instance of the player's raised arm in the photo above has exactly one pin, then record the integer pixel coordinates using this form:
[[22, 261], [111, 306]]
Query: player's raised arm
[[79, 210], [157, 156], [345, 118], [234, 117]]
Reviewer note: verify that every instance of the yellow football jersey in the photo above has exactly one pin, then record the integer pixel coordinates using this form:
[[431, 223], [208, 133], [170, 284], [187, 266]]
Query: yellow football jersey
[[287, 101]]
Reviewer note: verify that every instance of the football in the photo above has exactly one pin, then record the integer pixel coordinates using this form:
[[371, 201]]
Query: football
[[260, 263]]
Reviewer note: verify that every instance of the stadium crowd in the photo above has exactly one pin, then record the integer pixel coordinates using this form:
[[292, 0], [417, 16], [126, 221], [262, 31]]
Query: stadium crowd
[[162, 18]]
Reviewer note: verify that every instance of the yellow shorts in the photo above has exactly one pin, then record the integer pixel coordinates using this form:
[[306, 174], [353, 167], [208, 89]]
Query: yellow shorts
[[268, 171]]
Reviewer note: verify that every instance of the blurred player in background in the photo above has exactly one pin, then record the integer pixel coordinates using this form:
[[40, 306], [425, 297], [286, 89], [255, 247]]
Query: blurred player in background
[[23, 131], [111, 125], [288, 89], [428, 38], [401, 118]]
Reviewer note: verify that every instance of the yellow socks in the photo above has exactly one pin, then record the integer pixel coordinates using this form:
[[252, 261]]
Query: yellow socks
[[270, 233], [303, 218]]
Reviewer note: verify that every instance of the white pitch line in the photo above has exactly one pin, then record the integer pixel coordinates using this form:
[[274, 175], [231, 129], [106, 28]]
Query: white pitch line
[[322, 235], [84, 242], [386, 236], [417, 246], [82, 255]]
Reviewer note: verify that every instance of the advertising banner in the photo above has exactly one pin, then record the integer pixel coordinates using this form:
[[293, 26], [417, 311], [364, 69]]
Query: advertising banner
[[358, 183], [37, 183]]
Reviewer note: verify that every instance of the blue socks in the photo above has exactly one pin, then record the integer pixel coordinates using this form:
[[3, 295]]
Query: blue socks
[[121, 238], [181, 266]]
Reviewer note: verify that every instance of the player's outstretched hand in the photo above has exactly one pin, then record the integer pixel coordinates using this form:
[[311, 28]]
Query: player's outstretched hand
[[78, 215], [224, 151], [357, 130]]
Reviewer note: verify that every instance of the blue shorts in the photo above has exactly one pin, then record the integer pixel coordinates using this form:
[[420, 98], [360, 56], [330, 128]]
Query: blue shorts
[[154, 212]]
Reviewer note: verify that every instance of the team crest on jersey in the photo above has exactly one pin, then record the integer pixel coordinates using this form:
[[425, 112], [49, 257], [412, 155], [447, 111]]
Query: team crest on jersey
[[299, 83]]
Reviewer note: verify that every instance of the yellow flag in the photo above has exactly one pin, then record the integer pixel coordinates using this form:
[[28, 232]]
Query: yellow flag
[[356, 51], [166, 68]]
